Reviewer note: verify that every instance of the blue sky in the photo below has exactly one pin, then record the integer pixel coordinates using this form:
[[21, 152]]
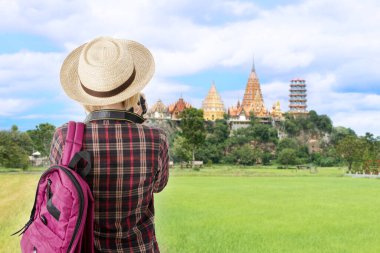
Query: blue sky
[[333, 44]]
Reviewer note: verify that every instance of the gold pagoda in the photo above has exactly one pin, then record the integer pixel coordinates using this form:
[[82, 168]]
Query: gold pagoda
[[253, 101], [276, 112], [213, 107]]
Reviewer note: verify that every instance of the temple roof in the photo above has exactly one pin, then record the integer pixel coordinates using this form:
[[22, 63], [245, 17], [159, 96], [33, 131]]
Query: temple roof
[[179, 106], [159, 106], [213, 99]]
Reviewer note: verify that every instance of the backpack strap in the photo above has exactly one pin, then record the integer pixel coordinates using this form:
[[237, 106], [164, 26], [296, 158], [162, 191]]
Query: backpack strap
[[85, 156], [73, 143]]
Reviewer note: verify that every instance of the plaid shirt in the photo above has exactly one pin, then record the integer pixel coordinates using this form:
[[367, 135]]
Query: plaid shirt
[[129, 164]]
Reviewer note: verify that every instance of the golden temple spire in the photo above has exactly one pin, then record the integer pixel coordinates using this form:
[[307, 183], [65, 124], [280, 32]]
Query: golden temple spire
[[253, 98], [253, 65], [213, 88], [253, 74], [213, 107]]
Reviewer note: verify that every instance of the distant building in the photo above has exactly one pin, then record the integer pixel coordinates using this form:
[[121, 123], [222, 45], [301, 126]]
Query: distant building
[[213, 107], [253, 103], [178, 107], [297, 97], [238, 113], [276, 113], [36, 160], [158, 111]]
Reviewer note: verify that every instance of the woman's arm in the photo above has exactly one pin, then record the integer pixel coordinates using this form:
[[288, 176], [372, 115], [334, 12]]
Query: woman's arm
[[162, 175]]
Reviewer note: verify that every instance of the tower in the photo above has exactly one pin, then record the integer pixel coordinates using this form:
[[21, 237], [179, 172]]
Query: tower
[[297, 97], [253, 99], [213, 107]]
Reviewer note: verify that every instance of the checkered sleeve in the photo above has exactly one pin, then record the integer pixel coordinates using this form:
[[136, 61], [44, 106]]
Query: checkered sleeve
[[162, 175], [56, 147]]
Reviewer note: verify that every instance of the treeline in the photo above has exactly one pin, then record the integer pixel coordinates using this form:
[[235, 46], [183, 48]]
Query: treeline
[[213, 142], [17, 146]]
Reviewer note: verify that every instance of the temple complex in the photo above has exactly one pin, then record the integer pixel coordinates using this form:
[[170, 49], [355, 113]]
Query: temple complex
[[178, 107], [239, 115], [158, 111], [213, 107]]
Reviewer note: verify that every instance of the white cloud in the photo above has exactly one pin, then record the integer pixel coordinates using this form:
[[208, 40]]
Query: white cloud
[[231, 97], [165, 90], [285, 38], [332, 44], [11, 106], [239, 8], [276, 91], [360, 121], [358, 111], [28, 73]]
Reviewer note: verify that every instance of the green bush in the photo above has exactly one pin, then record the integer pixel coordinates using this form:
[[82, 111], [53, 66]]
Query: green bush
[[287, 157], [244, 155]]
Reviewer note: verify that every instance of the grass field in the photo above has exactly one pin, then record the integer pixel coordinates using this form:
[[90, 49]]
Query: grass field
[[221, 209]]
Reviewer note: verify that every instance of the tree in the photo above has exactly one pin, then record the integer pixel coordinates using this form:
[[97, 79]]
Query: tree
[[313, 116], [241, 136], [210, 152], [221, 130], [213, 149], [41, 137], [312, 122], [287, 143], [266, 157], [253, 120], [193, 129], [264, 133], [15, 147], [351, 149], [326, 158], [181, 150], [291, 127], [245, 155], [324, 123], [22, 139], [287, 157], [339, 133]]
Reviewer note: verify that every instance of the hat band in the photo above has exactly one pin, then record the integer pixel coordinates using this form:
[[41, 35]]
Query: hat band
[[119, 89]]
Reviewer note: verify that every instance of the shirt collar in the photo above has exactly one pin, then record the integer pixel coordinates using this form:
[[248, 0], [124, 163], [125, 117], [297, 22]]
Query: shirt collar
[[114, 115]]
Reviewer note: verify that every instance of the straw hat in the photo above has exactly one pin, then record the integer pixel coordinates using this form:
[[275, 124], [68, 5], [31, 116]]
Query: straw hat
[[106, 71]]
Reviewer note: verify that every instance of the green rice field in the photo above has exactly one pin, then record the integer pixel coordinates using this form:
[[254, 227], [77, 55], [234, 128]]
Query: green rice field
[[225, 209]]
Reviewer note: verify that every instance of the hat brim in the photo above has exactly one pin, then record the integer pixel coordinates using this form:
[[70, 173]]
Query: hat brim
[[143, 63]]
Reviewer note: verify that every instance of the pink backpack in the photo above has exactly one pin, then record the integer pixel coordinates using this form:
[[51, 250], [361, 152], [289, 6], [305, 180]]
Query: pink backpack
[[62, 216]]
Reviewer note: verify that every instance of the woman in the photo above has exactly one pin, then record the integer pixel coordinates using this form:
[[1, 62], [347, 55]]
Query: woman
[[129, 160]]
